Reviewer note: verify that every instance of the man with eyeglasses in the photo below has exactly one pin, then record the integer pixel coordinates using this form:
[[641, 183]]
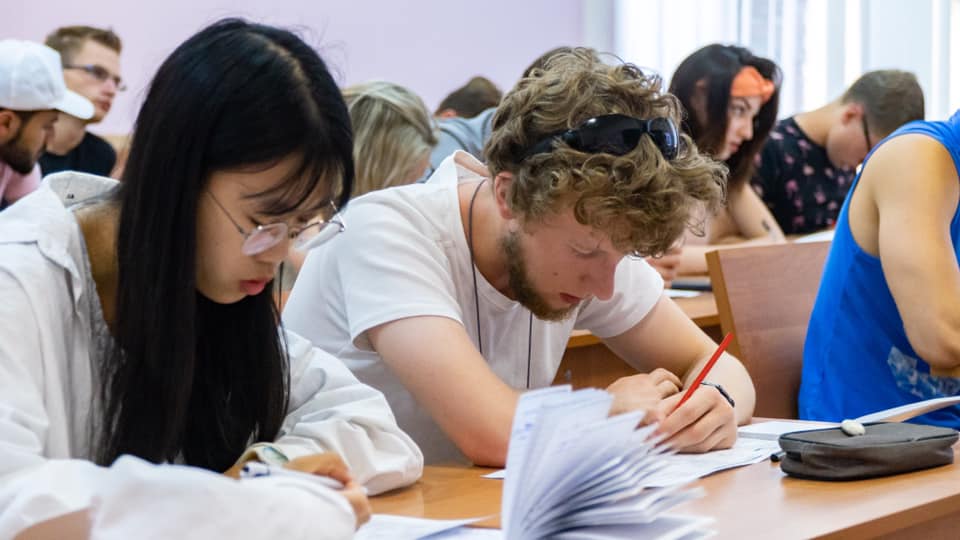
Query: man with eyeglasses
[[32, 91], [453, 296], [809, 161], [91, 67]]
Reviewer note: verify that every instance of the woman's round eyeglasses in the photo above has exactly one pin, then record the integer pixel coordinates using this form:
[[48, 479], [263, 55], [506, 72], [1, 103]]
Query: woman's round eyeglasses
[[311, 235]]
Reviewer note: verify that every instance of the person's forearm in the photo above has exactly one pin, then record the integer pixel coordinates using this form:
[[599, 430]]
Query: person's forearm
[[733, 377], [693, 260]]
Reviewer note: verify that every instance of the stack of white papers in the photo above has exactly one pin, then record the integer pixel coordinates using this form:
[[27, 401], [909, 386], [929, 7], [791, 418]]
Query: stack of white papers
[[680, 468], [574, 472]]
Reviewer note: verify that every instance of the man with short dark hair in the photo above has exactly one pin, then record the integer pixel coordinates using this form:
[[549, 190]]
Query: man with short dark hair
[[471, 99], [809, 161], [32, 90], [459, 132], [91, 67]]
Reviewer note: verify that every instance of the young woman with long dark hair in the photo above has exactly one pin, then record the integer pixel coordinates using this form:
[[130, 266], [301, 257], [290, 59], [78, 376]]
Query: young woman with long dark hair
[[141, 321], [730, 96]]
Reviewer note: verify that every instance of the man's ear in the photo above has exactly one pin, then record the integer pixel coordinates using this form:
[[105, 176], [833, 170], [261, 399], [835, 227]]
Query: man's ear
[[9, 125], [850, 112], [501, 188]]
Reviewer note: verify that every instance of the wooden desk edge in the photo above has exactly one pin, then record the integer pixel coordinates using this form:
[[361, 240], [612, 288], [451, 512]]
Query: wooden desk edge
[[693, 307]]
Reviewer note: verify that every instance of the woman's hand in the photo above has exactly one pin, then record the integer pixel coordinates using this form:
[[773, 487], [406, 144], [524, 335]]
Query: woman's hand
[[330, 464], [327, 464], [357, 497]]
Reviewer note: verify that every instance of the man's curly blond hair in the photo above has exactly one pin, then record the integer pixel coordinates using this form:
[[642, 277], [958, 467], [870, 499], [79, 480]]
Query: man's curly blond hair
[[641, 200]]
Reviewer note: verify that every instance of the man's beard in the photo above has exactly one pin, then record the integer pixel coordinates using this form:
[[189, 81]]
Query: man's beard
[[17, 157], [521, 285]]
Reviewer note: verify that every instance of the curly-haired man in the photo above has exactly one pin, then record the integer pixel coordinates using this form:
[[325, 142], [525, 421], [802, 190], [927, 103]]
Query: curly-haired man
[[453, 296]]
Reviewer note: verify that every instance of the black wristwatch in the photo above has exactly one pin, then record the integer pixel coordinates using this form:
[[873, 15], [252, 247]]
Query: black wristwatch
[[723, 392]]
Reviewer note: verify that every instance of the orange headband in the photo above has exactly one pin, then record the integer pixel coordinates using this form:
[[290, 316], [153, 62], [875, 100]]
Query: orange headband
[[749, 82]]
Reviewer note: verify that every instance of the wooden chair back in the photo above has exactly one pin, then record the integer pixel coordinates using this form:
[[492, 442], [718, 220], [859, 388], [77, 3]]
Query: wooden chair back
[[764, 296]]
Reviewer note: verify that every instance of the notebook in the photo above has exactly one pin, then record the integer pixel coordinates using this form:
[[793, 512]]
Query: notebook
[[574, 472]]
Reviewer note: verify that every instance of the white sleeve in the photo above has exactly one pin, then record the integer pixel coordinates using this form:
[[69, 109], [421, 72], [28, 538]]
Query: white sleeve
[[331, 411], [170, 501], [390, 269], [23, 417], [137, 499], [34, 488], [637, 288]]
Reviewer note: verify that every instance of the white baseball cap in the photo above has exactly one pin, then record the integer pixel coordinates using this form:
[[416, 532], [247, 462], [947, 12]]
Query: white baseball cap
[[31, 79]]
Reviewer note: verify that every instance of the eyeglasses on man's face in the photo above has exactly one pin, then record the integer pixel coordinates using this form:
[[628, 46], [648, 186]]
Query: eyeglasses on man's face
[[101, 74], [264, 237], [615, 134], [866, 130]]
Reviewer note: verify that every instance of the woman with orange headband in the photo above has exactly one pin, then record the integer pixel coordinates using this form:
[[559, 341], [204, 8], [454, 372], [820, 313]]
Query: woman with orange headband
[[731, 98]]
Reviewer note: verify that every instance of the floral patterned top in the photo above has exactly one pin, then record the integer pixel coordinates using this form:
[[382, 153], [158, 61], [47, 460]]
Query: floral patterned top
[[796, 180]]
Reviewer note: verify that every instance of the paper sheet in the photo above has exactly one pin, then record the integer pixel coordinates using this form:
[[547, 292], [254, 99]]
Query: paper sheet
[[388, 527], [911, 410], [681, 468], [680, 293], [773, 429], [468, 533], [664, 528], [822, 236], [686, 467]]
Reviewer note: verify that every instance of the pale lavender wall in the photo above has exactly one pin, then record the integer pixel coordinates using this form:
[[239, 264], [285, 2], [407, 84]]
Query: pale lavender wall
[[431, 46]]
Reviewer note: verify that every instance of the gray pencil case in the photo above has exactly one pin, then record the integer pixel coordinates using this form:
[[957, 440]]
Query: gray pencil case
[[885, 448]]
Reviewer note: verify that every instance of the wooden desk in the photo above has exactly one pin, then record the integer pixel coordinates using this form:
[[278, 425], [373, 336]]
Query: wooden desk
[[587, 362], [701, 309], [757, 501], [446, 492]]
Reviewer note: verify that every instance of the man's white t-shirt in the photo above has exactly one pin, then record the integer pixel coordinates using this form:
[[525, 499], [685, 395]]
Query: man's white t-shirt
[[404, 254]]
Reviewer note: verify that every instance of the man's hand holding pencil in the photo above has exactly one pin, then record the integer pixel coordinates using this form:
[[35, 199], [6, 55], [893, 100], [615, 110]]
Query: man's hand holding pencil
[[702, 418], [693, 421]]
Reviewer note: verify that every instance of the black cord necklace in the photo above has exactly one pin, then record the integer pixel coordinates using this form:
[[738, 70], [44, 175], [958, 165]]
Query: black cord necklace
[[476, 293]]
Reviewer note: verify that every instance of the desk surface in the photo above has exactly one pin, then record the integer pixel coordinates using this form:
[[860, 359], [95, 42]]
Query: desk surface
[[702, 309], [757, 501]]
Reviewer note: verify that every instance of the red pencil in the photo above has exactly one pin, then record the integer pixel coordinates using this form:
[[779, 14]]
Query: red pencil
[[706, 369]]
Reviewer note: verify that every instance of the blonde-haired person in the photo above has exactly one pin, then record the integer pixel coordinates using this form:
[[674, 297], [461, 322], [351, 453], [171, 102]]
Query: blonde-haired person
[[393, 135], [453, 296]]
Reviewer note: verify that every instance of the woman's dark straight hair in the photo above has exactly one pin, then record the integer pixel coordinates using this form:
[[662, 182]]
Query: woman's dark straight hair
[[192, 380], [717, 65]]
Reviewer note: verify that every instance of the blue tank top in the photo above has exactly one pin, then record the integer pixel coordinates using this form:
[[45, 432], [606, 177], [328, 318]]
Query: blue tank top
[[856, 359]]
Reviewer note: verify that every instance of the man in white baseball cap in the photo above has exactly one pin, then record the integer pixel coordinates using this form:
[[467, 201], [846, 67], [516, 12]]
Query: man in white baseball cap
[[32, 91]]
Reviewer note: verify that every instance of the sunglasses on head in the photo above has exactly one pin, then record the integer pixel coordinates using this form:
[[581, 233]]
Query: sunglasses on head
[[615, 134]]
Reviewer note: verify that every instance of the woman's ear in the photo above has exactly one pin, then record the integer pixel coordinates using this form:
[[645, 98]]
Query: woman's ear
[[501, 189]]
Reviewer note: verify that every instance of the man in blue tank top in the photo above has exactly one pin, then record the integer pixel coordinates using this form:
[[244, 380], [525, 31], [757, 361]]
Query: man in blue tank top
[[885, 329]]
